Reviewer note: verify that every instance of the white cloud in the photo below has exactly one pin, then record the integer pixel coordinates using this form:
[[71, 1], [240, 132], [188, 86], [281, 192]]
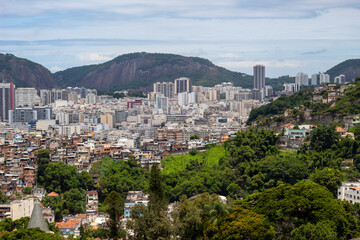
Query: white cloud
[[55, 69], [93, 57], [229, 55]]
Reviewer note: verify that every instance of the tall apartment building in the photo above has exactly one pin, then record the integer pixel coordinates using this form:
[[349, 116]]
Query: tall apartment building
[[302, 79], [108, 118], [162, 103], [340, 79], [55, 94], [25, 97], [314, 79], [165, 88], [182, 84], [73, 96], [29, 114], [291, 87], [214, 94], [183, 99], [324, 78], [170, 135], [259, 77], [230, 93], [45, 97], [90, 98], [268, 91], [7, 100]]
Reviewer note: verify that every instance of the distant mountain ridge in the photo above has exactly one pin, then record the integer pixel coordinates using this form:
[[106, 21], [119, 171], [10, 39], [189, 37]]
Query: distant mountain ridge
[[24, 73], [140, 71]]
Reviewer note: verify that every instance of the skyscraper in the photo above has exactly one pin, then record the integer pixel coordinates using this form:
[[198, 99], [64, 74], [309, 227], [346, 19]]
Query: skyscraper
[[302, 79], [7, 100], [182, 84], [314, 79], [324, 78], [259, 77]]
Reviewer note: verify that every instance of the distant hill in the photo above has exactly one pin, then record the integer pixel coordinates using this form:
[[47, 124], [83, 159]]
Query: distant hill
[[24, 73], [141, 70], [351, 69]]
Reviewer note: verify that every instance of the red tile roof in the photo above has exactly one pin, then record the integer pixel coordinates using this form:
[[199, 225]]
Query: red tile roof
[[68, 224], [340, 130], [52, 194]]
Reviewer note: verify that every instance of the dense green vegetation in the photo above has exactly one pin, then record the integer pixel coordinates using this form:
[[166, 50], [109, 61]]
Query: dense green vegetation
[[349, 103], [120, 176], [346, 105], [175, 163], [280, 105], [65, 181], [16, 230], [271, 194], [293, 207]]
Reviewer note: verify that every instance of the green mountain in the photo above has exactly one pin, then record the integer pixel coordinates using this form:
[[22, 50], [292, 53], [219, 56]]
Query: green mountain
[[24, 73], [141, 70], [346, 104], [350, 68]]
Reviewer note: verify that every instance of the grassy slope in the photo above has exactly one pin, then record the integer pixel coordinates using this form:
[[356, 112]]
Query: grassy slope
[[178, 162]]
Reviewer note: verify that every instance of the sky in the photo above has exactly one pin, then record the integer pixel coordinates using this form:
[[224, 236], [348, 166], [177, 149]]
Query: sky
[[287, 36]]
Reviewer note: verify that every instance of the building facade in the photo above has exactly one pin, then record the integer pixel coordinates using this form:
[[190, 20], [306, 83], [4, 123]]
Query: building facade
[[259, 77], [182, 84], [7, 100], [165, 88]]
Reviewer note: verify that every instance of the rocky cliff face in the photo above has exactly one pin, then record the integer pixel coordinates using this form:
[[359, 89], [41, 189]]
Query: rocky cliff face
[[141, 70], [24, 73]]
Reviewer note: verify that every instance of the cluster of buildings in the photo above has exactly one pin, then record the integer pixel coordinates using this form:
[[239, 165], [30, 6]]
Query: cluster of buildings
[[302, 79], [80, 127]]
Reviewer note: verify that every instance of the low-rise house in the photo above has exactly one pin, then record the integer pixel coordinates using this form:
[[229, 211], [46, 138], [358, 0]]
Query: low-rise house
[[132, 199], [349, 191], [68, 227]]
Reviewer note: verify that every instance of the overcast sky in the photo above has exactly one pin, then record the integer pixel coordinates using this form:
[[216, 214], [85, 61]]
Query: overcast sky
[[287, 36]]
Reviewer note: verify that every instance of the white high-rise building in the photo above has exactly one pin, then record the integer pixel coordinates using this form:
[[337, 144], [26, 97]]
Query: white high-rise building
[[314, 79], [230, 93], [193, 98], [162, 103], [324, 78], [214, 94], [25, 97], [302, 79], [291, 87], [268, 91], [340, 79], [183, 99], [90, 98]]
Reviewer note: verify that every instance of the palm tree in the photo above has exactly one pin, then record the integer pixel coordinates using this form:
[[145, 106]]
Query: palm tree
[[214, 211]]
